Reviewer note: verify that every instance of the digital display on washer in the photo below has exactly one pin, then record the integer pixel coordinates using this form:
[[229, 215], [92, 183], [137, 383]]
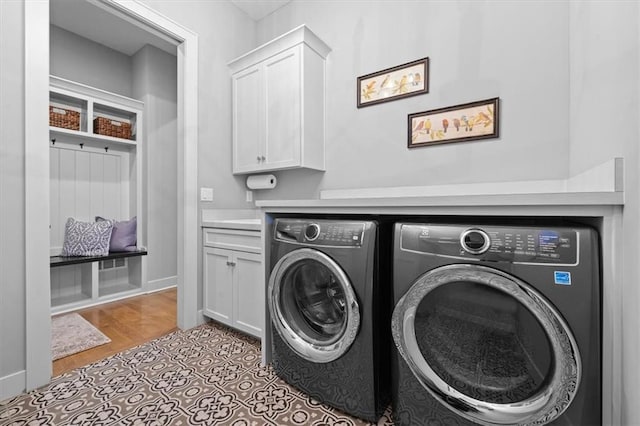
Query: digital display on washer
[[514, 244]]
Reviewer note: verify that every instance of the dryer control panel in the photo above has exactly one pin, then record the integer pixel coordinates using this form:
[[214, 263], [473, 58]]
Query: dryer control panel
[[493, 243], [320, 232]]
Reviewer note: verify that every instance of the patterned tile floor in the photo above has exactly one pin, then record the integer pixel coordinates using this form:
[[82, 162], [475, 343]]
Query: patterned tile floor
[[209, 375]]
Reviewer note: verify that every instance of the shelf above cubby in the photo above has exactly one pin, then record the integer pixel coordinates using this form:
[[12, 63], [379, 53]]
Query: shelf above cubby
[[119, 114], [91, 139]]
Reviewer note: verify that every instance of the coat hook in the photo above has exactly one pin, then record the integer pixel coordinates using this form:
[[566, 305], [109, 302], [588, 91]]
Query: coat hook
[[53, 141], [106, 149], [81, 146]]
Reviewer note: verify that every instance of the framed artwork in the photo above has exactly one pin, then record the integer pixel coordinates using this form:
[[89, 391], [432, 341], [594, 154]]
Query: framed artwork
[[394, 83], [466, 122]]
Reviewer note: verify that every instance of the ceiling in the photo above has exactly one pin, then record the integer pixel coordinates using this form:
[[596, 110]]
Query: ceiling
[[96, 24], [93, 22], [258, 9]]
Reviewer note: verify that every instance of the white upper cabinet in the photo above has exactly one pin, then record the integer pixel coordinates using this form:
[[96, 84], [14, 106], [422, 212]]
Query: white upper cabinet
[[279, 104]]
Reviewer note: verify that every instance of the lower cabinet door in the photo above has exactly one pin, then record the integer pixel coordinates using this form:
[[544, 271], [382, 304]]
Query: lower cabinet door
[[248, 283], [218, 284]]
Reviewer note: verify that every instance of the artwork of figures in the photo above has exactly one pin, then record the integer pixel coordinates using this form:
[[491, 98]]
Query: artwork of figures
[[394, 83], [475, 120]]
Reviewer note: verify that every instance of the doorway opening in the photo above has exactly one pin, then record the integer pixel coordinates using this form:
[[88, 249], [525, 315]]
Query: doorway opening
[[38, 340]]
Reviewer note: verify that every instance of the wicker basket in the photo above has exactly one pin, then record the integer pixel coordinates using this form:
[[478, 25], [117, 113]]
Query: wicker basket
[[109, 127], [65, 118]]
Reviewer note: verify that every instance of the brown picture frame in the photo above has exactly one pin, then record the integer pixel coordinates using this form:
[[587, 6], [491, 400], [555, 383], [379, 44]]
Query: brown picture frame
[[394, 83], [459, 123]]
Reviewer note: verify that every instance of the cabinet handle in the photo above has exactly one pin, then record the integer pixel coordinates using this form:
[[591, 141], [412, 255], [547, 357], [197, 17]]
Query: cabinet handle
[[231, 263], [258, 158], [263, 158]]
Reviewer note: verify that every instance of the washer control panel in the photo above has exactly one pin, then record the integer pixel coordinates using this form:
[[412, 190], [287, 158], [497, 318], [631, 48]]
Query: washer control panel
[[320, 232], [553, 245]]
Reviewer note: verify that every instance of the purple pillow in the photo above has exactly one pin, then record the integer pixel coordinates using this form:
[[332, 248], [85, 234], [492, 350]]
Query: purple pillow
[[123, 235]]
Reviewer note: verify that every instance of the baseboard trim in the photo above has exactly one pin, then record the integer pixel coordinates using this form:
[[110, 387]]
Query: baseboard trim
[[201, 318], [161, 284], [12, 385]]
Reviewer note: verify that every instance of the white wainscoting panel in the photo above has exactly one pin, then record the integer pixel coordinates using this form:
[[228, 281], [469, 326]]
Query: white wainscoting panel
[[84, 183]]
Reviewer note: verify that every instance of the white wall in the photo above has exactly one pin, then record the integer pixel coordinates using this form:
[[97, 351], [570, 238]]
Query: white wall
[[224, 33], [12, 198], [605, 87], [517, 51], [155, 84], [603, 82], [79, 59]]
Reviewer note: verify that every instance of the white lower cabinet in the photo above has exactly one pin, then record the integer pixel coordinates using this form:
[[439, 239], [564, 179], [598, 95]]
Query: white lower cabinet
[[234, 279]]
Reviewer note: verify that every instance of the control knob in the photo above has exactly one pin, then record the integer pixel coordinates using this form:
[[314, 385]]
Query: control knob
[[475, 241], [312, 231]]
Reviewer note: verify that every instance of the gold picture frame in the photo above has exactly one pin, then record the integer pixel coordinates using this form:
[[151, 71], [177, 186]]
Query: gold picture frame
[[459, 123], [399, 82]]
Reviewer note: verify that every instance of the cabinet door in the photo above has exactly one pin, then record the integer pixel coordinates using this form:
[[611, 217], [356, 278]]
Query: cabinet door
[[249, 290], [218, 284], [248, 120], [283, 113]]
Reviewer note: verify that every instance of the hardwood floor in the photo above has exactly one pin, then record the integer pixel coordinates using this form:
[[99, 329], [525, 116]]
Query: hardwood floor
[[128, 323]]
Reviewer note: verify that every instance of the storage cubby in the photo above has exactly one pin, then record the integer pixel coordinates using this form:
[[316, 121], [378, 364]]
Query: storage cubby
[[116, 117], [62, 105], [120, 279], [71, 285], [94, 175]]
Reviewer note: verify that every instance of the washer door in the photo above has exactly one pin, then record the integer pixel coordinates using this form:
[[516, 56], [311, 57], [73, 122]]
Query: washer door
[[487, 346], [313, 306]]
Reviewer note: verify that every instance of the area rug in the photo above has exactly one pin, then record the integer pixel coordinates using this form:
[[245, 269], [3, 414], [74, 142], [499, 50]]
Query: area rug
[[71, 334], [208, 375]]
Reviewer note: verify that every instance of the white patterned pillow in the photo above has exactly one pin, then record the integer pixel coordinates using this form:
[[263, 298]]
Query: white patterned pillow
[[86, 238]]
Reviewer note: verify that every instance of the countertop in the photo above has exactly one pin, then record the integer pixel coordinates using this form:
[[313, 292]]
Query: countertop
[[243, 224], [598, 188]]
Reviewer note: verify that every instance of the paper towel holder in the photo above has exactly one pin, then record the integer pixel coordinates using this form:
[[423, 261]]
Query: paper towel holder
[[261, 182]]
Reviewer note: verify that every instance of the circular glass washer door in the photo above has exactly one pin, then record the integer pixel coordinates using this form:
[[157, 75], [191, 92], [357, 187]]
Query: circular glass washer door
[[313, 305], [487, 346]]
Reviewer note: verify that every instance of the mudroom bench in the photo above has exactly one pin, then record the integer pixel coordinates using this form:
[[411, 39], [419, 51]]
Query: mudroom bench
[[76, 260], [83, 281]]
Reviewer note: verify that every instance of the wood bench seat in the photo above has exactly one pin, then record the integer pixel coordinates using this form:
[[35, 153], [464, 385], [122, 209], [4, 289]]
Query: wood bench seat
[[76, 260]]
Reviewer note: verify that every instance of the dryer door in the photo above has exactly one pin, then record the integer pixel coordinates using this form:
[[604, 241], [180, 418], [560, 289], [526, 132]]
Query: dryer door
[[487, 346], [313, 306]]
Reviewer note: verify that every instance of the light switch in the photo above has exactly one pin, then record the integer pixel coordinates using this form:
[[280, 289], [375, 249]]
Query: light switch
[[206, 194], [249, 196]]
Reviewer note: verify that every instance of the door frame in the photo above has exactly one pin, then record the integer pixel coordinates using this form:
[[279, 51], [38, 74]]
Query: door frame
[[36, 67]]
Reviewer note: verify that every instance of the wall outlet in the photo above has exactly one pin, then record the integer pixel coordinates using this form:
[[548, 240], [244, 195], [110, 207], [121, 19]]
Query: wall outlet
[[249, 196], [206, 194]]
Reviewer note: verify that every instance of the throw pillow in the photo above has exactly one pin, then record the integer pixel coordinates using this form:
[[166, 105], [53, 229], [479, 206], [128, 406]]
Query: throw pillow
[[86, 238], [123, 235]]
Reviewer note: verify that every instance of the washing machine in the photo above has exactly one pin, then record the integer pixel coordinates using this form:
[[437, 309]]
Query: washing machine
[[496, 325], [328, 300]]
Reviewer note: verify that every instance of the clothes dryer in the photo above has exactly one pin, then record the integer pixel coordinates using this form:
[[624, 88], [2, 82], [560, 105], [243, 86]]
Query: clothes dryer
[[330, 313], [496, 325]]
